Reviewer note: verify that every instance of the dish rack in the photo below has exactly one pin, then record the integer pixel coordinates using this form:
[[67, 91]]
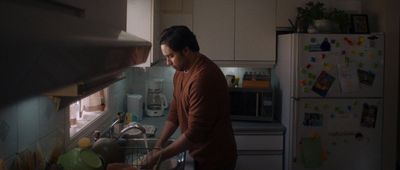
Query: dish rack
[[135, 155]]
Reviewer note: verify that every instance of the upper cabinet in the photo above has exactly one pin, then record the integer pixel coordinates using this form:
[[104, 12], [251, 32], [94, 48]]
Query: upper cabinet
[[213, 24], [236, 32], [143, 20]]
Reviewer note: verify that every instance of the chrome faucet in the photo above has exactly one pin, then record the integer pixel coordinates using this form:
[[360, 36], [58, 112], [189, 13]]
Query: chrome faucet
[[132, 125]]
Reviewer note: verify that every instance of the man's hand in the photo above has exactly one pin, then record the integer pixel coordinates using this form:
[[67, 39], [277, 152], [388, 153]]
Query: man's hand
[[151, 160]]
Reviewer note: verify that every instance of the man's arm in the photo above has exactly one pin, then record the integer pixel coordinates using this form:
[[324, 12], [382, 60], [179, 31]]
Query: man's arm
[[168, 129], [179, 145]]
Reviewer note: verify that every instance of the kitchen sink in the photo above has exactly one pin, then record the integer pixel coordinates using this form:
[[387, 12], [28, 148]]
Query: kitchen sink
[[136, 148]]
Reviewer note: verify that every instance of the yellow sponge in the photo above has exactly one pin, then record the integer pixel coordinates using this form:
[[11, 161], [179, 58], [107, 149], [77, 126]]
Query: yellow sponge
[[84, 143]]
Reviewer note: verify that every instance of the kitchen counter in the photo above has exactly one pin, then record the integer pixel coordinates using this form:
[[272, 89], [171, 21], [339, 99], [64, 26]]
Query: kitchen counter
[[239, 127]]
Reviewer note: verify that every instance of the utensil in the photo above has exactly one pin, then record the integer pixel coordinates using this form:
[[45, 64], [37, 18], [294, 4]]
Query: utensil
[[109, 150]]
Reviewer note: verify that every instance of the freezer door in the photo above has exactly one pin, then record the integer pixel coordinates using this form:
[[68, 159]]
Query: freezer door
[[334, 134], [339, 65]]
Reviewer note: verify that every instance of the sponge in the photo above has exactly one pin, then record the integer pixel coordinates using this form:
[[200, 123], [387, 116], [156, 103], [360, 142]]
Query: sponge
[[84, 143]]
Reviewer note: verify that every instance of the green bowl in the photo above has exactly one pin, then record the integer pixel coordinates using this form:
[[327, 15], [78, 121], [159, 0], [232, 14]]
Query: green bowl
[[82, 159]]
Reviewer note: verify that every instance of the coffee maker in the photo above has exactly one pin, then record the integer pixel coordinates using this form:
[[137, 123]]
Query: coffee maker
[[156, 102]]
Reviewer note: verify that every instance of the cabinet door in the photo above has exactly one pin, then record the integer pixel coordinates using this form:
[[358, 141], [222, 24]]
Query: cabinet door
[[270, 162], [255, 30], [213, 24], [143, 21]]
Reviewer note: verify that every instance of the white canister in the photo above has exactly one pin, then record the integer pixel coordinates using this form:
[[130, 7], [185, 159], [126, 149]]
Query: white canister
[[135, 106]]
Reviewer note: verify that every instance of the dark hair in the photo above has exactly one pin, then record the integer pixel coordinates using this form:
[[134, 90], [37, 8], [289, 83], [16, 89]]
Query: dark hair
[[179, 37]]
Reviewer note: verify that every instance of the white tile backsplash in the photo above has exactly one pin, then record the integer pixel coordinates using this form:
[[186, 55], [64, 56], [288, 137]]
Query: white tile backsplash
[[28, 122], [9, 146], [49, 118]]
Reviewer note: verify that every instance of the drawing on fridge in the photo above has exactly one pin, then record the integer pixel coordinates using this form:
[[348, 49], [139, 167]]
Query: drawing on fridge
[[332, 99]]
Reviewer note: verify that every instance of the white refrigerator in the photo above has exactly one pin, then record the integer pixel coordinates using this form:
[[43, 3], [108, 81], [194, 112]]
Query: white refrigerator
[[331, 88]]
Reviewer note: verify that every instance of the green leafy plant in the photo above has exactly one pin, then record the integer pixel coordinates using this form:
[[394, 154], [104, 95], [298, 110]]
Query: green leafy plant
[[311, 12], [341, 18], [316, 11]]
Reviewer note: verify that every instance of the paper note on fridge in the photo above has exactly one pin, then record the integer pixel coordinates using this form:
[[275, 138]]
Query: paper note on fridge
[[348, 78]]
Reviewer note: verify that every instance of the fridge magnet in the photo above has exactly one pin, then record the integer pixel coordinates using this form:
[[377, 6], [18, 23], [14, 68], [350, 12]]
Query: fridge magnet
[[325, 106], [323, 56], [368, 116], [333, 41], [325, 45], [365, 77], [315, 48], [373, 37], [347, 78], [323, 83], [303, 71], [346, 60], [359, 24], [327, 66], [361, 41], [312, 59], [348, 41], [372, 41], [337, 45], [371, 55], [311, 152], [376, 65], [311, 76], [343, 52], [307, 48], [312, 119], [359, 136], [303, 83], [308, 66], [349, 107]]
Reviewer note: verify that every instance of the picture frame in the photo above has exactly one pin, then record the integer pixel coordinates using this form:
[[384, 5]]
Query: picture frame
[[359, 24]]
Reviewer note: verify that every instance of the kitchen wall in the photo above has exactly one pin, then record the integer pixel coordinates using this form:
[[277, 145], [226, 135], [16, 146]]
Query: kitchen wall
[[36, 123], [139, 77]]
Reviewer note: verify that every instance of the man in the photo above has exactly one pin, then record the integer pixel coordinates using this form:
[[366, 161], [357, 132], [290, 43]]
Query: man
[[200, 106]]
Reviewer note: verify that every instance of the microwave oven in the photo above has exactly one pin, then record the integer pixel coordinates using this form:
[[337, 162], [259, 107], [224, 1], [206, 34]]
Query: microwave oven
[[251, 104]]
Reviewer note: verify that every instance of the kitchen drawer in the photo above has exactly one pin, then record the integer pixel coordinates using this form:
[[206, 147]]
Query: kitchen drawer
[[259, 142], [270, 162]]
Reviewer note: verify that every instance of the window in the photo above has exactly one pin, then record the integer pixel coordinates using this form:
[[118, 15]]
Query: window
[[85, 111]]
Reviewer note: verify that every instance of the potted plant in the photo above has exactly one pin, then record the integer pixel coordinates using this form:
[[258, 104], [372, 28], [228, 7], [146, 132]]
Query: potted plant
[[314, 17], [308, 14], [341, 20]]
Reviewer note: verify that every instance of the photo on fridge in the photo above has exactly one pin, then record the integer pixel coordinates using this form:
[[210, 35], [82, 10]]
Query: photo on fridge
[[312, 119], [323, 83], [368, 117], [366, 77]]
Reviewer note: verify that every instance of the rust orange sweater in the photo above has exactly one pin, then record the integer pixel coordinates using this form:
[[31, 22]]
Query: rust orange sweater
[[200, 107]]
